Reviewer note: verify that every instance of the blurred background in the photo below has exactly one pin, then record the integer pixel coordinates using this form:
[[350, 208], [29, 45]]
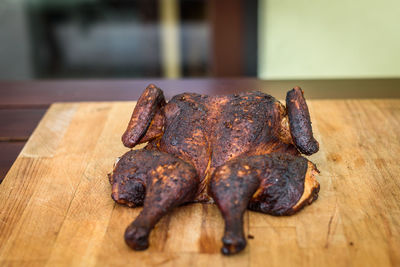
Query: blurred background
[[269, 39]]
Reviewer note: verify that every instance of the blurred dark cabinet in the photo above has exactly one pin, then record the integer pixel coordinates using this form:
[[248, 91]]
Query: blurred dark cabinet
[[121, 38], [95, 39]]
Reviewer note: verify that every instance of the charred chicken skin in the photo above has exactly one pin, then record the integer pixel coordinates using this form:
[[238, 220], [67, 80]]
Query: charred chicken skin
[[239, 151]]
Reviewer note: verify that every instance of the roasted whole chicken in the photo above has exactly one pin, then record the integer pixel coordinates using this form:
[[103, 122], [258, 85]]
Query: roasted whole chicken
[[240, 151]]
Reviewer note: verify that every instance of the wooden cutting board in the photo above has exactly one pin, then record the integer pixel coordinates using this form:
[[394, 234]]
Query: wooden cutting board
[[56, 210]]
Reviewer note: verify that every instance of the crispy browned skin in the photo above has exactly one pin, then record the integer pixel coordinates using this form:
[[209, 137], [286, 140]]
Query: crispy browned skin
[[300, 122], [270, 183], [158, 180], [147, 118], [241, 151]]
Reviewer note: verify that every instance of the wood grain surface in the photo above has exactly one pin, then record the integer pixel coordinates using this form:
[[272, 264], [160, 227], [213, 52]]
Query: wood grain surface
[[56, 210]]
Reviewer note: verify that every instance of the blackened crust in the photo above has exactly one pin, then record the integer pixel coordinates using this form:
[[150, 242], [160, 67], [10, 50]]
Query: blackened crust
[[300, 123], [282, 183], [136, 168], [149, 102], [313, 197]]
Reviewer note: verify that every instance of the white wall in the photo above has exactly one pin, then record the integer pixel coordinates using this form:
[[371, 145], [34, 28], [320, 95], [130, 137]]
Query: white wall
[[316, 39]]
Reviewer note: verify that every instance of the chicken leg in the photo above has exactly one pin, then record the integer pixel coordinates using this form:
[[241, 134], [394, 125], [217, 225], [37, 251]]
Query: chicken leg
[[277, 184], [168, 182]]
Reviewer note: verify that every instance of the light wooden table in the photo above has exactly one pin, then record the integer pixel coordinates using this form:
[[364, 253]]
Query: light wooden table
[[23, 103], [56, 210]]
